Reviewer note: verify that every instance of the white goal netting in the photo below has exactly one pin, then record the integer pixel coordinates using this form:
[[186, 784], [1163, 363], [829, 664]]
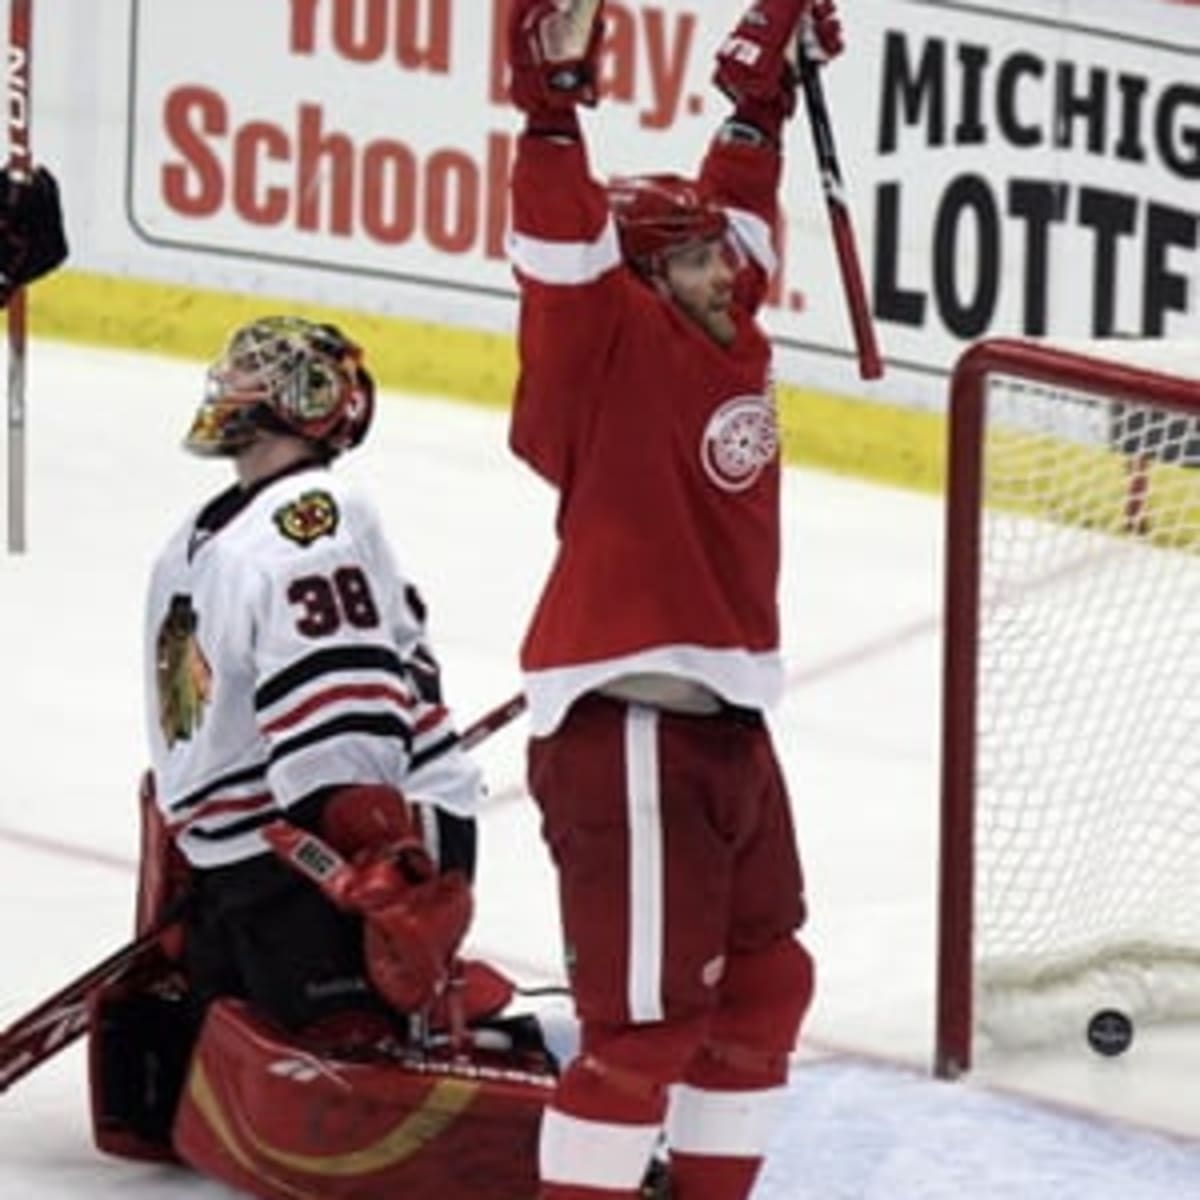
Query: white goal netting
[[1087, 785]]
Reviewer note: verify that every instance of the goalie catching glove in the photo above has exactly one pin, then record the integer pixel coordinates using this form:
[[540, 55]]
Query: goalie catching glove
[[755, 67], [413, 918], [553, 46]]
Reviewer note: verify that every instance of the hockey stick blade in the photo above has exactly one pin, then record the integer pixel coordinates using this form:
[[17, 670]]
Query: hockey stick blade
[[57, 1021], [870, 362]]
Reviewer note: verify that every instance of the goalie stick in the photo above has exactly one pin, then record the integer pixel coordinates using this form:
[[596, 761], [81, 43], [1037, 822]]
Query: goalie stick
[[57, 1021], [870, 364], [20, 41], [483, 727]]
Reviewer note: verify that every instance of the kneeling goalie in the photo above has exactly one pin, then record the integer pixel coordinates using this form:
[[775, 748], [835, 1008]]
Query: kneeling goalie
[[307, 1027]]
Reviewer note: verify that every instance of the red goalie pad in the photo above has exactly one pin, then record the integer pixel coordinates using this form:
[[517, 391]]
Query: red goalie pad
[[270, 1118], [139, 1039], [163, 873]]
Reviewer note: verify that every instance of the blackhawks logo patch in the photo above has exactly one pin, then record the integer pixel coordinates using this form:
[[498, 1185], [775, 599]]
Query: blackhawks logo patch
[[183, 676], [314, 515]]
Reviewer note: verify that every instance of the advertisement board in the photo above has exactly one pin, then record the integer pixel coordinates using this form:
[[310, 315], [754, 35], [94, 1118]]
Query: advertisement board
[[1027, 168]]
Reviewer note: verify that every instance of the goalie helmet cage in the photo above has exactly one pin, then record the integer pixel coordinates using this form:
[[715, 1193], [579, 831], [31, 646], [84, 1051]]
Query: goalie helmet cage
[[1070, 775]]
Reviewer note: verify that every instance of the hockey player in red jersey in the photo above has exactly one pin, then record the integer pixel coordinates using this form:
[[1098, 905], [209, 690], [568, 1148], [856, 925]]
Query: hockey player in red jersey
[[645, 399], [303, 760]]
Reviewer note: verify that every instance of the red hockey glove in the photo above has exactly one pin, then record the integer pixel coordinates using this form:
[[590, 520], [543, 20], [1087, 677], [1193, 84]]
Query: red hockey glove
[[821, 32], [366, 817], [552, 53], [413, 918], [753, 67], [410, 939], [32, 240]]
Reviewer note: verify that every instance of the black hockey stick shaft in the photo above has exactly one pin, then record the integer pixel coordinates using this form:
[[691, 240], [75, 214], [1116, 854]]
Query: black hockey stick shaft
[[57, 1021], [870, 362]]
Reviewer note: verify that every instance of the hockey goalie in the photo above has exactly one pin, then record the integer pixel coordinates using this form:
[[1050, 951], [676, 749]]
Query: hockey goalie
[[305, 1024]]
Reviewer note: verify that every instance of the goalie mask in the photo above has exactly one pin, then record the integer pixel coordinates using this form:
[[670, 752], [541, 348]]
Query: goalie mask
[[284, 375], [657, 214]]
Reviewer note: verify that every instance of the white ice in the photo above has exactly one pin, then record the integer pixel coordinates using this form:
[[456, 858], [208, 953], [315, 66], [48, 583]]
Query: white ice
[[858, 733]]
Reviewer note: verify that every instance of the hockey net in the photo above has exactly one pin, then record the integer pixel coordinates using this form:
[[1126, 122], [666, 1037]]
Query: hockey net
[[1070, 842]]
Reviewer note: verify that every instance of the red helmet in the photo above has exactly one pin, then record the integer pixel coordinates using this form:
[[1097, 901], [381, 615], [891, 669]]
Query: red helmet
[[659, 213], [289, 375]]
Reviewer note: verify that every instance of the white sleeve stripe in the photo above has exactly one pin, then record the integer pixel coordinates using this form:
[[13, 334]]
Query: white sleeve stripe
[[755, 235], [732, 1124], [574, 1152], [567, 263], [645, 898], [450, 780]]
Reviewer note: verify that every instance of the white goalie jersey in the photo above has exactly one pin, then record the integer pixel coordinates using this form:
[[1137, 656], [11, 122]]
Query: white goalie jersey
[[284, 653]]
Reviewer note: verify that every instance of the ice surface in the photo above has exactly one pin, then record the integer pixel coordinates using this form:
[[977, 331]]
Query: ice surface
[[858, 733]]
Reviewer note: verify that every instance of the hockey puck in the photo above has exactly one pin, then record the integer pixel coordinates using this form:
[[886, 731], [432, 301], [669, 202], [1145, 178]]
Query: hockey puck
[[1109, 1032]]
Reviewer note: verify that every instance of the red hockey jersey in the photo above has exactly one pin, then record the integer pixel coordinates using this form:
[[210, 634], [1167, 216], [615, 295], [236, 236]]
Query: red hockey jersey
[[662, 443]]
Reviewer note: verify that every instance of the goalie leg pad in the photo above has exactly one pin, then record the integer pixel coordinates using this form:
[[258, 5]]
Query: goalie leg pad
[[139, 1041], [265, 1114], [164, 876]]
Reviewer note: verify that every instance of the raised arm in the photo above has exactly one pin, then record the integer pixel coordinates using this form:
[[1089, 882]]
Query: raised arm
[[755, 68], [756, 65], [563, 245], [562, 232]]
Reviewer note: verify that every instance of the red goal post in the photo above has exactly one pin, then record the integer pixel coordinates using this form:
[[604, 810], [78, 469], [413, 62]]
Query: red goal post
[[1070, 807]]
